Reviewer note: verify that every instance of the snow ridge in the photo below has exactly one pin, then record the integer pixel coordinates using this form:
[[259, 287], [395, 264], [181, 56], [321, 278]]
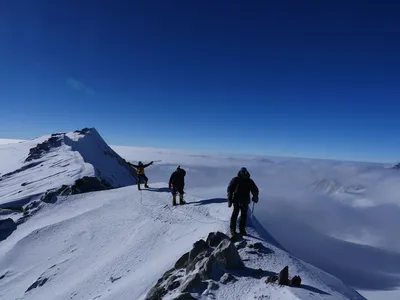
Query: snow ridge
[[118, 242], [62, 159]]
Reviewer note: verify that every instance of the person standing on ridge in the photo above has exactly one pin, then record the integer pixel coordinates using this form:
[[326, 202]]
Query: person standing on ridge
[[177, 183], [141, 176], [238, 192]]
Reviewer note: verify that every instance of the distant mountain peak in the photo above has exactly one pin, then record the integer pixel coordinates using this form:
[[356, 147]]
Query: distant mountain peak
[[396, 166], [61, 164]]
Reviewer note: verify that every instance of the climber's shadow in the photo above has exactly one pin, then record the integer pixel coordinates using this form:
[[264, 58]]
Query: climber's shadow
[[313, 289], [209, 201], [159, 190], [250, 272]]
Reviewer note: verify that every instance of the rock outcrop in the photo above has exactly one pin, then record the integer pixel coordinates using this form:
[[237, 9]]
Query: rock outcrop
[[41, 149], [200, 269], [283, 278], [83, 185], [7, 227]]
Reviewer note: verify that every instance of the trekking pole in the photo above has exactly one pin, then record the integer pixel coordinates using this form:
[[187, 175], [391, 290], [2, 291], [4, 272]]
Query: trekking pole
[[252, 211]]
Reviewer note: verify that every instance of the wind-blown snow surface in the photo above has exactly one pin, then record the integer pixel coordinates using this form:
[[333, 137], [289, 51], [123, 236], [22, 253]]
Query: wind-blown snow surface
[[115, 244], [342, 217], [339, 216]]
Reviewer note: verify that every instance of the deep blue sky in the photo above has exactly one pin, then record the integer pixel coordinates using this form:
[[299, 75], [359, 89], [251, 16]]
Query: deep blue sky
[[302, 78]]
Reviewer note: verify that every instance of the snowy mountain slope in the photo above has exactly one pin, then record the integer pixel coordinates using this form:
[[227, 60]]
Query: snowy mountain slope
[[340, 226], [351, 235], [31, 168], [115, 244]]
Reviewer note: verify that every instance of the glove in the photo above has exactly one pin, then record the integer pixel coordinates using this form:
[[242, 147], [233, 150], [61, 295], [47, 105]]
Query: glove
[[255, 199]]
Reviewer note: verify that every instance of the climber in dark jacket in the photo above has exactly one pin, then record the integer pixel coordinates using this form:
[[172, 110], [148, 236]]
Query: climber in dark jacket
[[177, 183], [239, 195], [141, 176]]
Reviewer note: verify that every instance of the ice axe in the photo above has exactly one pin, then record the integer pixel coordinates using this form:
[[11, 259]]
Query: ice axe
[[252, 211]]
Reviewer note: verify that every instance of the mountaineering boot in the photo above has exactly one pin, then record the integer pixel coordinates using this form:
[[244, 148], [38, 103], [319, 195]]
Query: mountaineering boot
[[145, 185], [243, 232], [233, 232], [181, 201], [138, 186], [173, 200]]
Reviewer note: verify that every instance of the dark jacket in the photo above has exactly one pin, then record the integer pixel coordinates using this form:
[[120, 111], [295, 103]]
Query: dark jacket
[[178, 178], [240, 187]]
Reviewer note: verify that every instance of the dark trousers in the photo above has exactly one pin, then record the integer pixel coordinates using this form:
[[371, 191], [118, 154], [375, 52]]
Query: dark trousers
[[177, 189], [142, 178], [242, 208]]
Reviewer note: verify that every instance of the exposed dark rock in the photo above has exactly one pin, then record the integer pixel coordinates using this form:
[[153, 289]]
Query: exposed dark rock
[[7, 227], [58, 133], [296, 281], [39, 282], [22, 220], [182, 261], [11, 209], [193, 270], [214, 238], [3, 276], [32, 205], [283, 277], [272, 279], [113, 279], [82, 185], [241, 245], [184, 296], [193, 283], [212, 285], [156, 293], [165, 276], [227, 256], [227, 277], [208, 269], [198, 247], [224, 257], [83, 131], [90, 184], [41, 149], [199, 258], [172, 285], [160, 289], [50, 195]]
